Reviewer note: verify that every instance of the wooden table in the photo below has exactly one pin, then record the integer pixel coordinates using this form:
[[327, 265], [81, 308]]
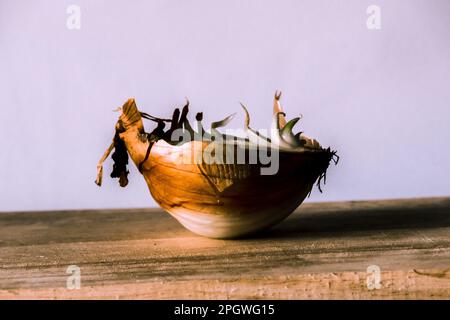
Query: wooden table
[[321, 251]]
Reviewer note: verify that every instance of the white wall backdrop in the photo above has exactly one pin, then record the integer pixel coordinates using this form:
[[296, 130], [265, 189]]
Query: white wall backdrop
[[380, 97]]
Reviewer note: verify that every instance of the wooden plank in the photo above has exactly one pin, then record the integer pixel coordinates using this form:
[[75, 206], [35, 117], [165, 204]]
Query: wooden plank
[[321, 251]]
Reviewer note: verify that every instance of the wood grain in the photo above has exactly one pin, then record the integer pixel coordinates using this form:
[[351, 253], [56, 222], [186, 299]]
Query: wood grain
[[321, 251]]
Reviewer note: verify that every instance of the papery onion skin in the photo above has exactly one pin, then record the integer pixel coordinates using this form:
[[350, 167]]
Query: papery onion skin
[[222, 200]]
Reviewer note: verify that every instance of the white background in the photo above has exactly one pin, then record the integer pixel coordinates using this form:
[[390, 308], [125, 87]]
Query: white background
[[380, 97]]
